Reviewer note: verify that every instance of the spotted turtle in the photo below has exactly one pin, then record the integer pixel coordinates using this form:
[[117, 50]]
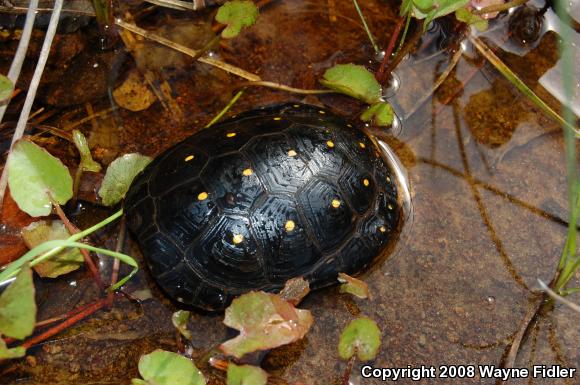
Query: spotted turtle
[[275, 193]]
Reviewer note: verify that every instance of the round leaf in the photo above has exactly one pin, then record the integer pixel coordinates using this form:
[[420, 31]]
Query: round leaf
[[17, 306], [6, 88], [353, 80], [246, 375], [167, 368], [265, 321], [33, 174], [6, 353], [119, 177], [363, 337], [236, 14]]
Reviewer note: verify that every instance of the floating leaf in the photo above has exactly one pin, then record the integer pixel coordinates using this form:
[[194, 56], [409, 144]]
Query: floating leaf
[[179, 320], [236, 14], [17, 306], [353, 80], [6, 88], [62, 263], [381, 113], [363, 337], [167, 368], [265, 321], [119, 177], [467, 17], [33, 174], [87, 162], [295, 290], [353, 286], [246, 375]]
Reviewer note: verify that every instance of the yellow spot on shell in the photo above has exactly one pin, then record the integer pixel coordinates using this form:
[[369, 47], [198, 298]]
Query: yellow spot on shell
[[247, 172], [238, 238], [188, 158], [362, 145], [202, 196], [349, 125], [366, 182], [277, 118], [289, 226], [382, 229], [330, 143], [296, 105], [389, 179], [335, 203], [390, 207], [231, 134], [322, 112], [292, 153]]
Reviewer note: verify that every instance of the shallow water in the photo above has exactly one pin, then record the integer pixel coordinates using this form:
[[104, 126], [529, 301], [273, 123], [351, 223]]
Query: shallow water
[[486, 170]]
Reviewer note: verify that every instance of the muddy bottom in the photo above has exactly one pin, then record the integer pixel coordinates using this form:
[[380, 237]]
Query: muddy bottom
[[485, 166]]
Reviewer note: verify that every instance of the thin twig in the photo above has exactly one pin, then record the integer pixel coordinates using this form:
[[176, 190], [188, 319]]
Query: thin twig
[[188, 51], [68, 323], [20, 55], [283, 87], [34, 83]]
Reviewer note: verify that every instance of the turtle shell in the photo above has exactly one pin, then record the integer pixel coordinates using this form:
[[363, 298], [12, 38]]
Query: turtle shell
[[272, 194]]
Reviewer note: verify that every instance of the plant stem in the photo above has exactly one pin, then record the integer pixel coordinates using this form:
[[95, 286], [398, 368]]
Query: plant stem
[[516, 81], [381, 76], [117, 262], [499, 7], [33, 87], [69, 322], [49, 250], [20, 55], [72, 229], [366, 27], [225, 109]]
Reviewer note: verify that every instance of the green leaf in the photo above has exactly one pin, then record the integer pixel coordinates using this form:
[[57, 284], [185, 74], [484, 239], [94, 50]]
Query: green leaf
[[17, 306], [87, 162], [6, 353], [353, 80], [424, 5], [33, 174], [167, 368], [62, 263], [353, 286], [363, 337], [442, 8], [119, 177], [179, 320], [246, 375], [381, 113], [236, 14], [467, 17], [265, 321], [6, 88]]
